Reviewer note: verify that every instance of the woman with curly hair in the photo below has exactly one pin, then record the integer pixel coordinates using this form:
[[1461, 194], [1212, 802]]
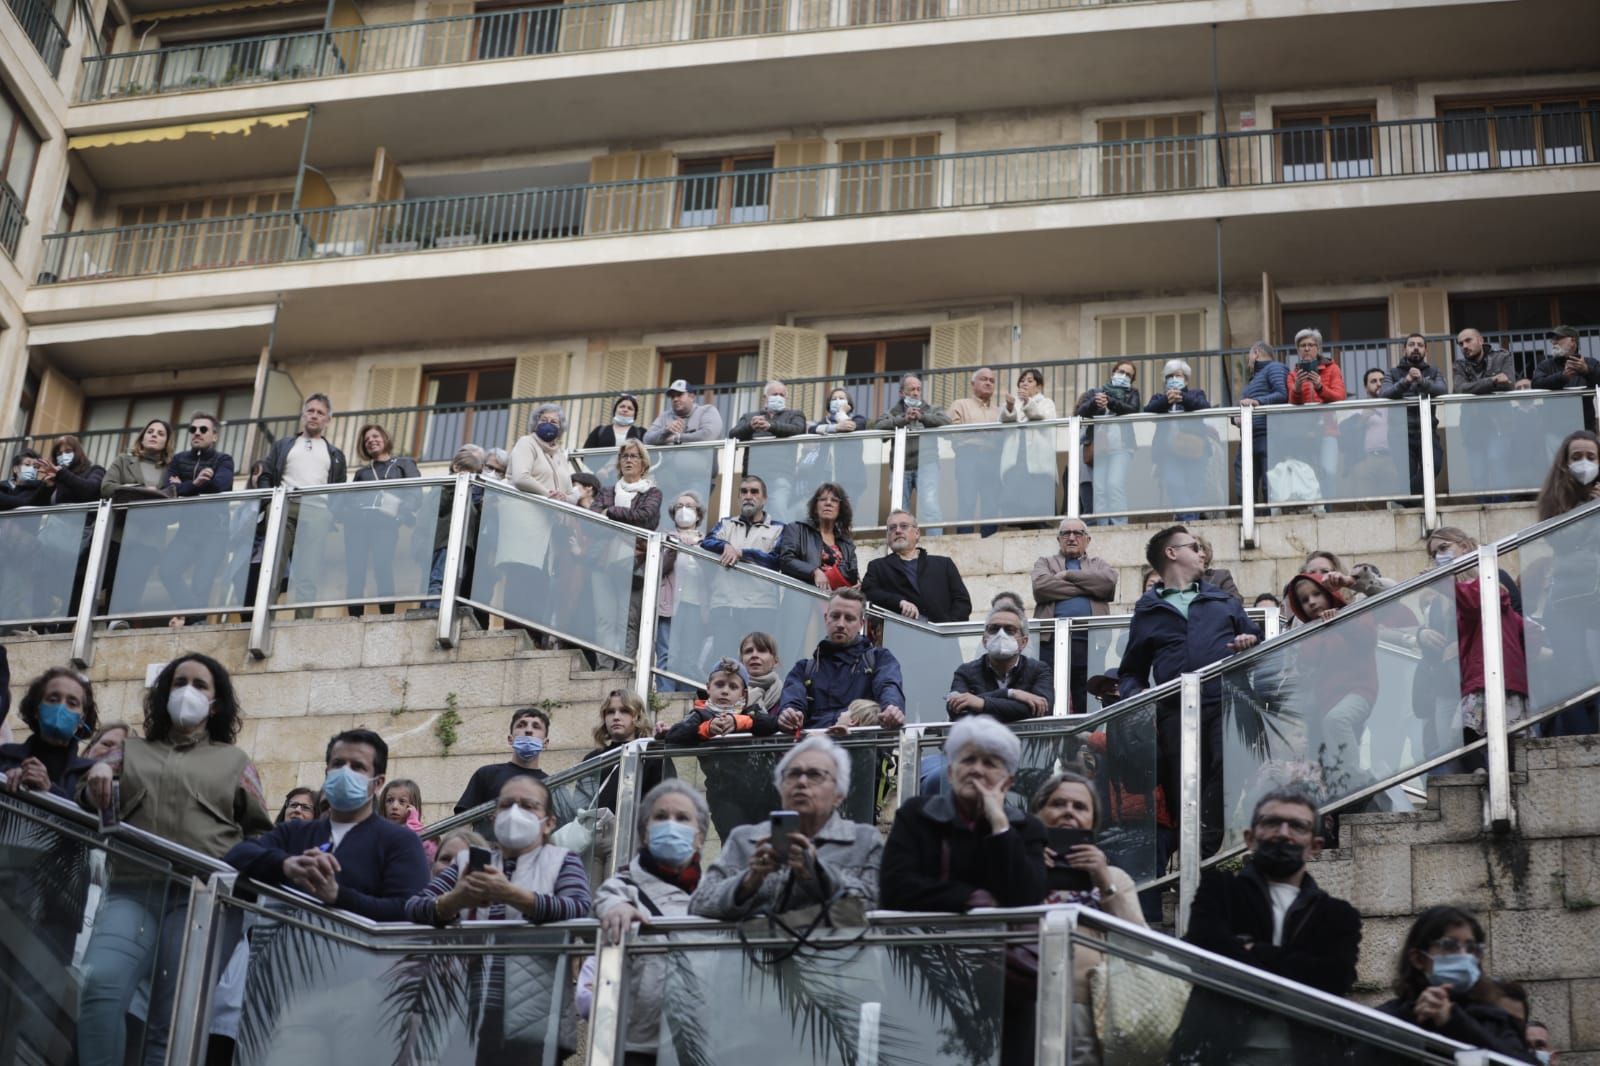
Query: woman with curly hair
[[59, 711], [817, 549]]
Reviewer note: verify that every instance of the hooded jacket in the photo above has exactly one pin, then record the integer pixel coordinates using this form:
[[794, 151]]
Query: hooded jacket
[[824, 685]]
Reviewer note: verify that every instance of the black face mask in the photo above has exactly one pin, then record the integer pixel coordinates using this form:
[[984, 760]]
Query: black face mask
[[1278, 858]]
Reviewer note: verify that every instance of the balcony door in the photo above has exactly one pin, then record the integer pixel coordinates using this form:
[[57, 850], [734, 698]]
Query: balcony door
[[1326, 145], [466, 404]]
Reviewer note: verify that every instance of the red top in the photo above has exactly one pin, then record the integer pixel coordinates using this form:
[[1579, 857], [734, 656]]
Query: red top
[[1332, 386], [1469, 638], [832, 563]]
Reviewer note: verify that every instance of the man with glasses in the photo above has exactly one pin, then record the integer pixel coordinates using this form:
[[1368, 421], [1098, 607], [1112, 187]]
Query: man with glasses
[[1072, 584], [192, 562], [1270, 915], [912, 583], [1180, 625]]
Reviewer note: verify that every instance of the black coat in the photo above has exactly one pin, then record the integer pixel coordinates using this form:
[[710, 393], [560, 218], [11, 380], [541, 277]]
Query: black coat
[[278, 459], [606, 436], [978, 678], [1479, 1024], [186, 464], [78, 486], [940, 594], [800, 552], [14, 494], [933, 861]]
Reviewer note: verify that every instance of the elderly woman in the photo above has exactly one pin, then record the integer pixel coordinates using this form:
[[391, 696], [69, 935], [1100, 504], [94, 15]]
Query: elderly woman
[[634, 501], [1183, 449], [657, 883], [468, 459], [818, 549], [826, 858], [525, 540], [688, 516], [841, 416]]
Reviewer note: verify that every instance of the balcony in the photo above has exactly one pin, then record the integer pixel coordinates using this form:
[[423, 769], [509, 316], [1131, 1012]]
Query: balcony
[[40, 27], [12, 219]]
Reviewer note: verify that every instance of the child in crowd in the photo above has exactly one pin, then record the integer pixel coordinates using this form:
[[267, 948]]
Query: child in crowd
[[401, 803], [724, 710]]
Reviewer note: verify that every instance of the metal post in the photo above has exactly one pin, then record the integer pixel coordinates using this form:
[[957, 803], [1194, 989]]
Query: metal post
[[267, 580], [730, 478], [455, 547], [606, 1047], [94, 573], [1189, 802], [1061, 638], [1247, 476], [1430, 490], [1074, 467], [1501, 816], [1053, 1010], [897, 471], [644, 657], [198, 971], [630, 771], [910, 782], [1271, 625]]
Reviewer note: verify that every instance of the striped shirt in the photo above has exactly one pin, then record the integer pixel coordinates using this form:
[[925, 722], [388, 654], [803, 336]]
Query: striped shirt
[[570, 899]]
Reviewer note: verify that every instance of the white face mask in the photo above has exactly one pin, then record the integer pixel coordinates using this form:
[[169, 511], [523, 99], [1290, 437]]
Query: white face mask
[[517, 829], [1120, 381], [188, 707], [65, 459], [1001, 646], [686, 517], [1585, 470], [777, 403]]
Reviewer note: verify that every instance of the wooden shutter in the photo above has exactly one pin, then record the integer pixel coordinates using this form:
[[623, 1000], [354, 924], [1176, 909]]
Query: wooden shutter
[[539, 376], [586, 28], [953, 344], [448, 42], [1271, 311], [628, 208], [1422, 311], [788, 354], [627, 369], [58, 406], [395, 386], [799, 195]]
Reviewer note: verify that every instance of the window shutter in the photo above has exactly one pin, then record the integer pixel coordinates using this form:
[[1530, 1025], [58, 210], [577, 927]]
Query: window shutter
[[789, 354], [396, 386], [1271, 311], [627, 370], [629, 208], [448, 42], [539, 376], [798, 195], [953, 344], [586, 28], [655, 201], [1422, 311], [58, 406]]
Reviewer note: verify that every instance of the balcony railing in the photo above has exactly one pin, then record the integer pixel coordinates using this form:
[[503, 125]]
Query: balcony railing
[[505, 34], [12, 219], [795, 194], [46, 35]]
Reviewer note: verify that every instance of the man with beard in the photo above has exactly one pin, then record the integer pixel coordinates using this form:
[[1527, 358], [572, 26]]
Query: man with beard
[[1415, 377], [912, 583]]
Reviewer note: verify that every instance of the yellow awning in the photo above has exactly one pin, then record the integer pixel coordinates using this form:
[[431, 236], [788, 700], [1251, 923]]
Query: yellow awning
[[151, 134], [209, 9]]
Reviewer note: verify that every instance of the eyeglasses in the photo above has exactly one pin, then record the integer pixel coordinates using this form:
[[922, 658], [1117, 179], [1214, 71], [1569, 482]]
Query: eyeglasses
[[1449, 945], [1298, 826], [199, 429], [306, 807], [997, 628], [1191, 544], [809, 775], [1073, 533]]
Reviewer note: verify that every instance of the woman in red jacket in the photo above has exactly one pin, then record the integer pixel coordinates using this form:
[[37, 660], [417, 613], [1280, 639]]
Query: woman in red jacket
[[1318, 379]]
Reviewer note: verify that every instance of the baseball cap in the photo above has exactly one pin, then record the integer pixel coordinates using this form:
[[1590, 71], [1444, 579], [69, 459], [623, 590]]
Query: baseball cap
[[1561, 332], [680, 385]]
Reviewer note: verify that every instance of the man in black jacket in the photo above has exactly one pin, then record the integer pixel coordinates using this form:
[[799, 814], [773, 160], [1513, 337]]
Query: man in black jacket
[[300, 462], [191, 565], [1271, 916], [913, 583], [1415, 376]]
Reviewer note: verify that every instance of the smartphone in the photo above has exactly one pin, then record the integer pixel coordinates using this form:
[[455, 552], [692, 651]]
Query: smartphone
[[1062, 841], [783, 823], [477, 859], [111, 814], [1308, 366]]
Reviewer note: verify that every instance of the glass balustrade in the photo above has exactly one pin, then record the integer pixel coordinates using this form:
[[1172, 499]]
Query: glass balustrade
[[674, 469], [929, 655], [1178, 463], [179, 557], [990, 473], [368, 544], [560, 570], [1503, 443], [1352, 451], [43, 549], [793, 468]]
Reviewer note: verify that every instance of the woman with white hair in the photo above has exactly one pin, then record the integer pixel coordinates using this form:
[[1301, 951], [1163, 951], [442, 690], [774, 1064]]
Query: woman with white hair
[[1316, 378], [1183, 448], [826, 858], [966, 848], [539, 461]]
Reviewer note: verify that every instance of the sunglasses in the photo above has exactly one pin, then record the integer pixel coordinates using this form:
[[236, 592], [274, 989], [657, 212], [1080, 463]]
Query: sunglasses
[[199, 429]]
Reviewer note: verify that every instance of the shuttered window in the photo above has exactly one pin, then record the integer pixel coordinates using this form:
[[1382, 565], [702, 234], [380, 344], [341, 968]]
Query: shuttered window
[[1156, 333], [880, 183], [1138, 161], [222, 231]]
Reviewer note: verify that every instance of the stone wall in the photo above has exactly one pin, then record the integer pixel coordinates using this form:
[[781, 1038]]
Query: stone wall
[[1536, 890]]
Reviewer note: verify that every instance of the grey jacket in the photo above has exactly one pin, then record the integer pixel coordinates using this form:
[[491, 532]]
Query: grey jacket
[[1478, 378], [703, 423], [647, 974], [784, 423], [932, 418], [848, 856]]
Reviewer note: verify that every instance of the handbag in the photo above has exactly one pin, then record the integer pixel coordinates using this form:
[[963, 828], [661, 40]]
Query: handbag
[[1136, 1011]]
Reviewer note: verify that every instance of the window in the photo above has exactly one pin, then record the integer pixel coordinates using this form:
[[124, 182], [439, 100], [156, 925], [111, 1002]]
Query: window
[[736, 18], [485, 389], [1522, 132], [514, 28], [232, 239], [19, 148], [881, 185], [724, 189], [1533, 312], [876, 12], [130, 413], [199, 63], [1157, 333], [887, 359], [714, 371], [1326, 144], [1139, 162], [25, 400], [1340, 326]]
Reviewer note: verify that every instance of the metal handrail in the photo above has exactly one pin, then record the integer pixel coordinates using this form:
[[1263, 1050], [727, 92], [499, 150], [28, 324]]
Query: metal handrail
[[13, 219], [39, 25]]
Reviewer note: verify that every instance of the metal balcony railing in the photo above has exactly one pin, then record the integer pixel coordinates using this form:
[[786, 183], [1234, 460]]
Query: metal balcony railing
[[12, 219], [46, 35], [504, 34], [829, 191]]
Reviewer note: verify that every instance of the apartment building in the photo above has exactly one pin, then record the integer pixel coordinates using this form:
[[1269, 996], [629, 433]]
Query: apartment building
[[444, 206]]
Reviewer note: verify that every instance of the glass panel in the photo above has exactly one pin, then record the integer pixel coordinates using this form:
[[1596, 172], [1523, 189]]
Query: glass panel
[[1003, 472], [1346, 451], [715, 607], [1102, 647], [1503, 443], [792, 469], [310, 999], [1336, 707], [528, 569], [184, 556], [928, 659], [1560, 586], [1170, 462], [48, 543], [919, 1001], [674, 468], [362, 544]]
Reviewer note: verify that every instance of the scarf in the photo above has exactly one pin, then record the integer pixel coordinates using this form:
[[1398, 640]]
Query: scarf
[[687, 878], [625, 492], [771, 686]]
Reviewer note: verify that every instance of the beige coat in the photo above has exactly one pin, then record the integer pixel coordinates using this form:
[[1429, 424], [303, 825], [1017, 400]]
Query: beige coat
[[1053, 582], [526, 529]]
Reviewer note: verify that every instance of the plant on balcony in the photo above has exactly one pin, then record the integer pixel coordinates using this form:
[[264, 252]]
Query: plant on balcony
[[200, 81]]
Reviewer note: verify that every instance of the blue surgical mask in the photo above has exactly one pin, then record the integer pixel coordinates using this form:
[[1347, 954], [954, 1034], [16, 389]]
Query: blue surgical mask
[[346, 790], [672, 843], [1120, 381], [622, 420], [1174, 383], [527, 747], [28, 473], [66, 459], [777, 403], [1460, 972], [58, 723], [547, 432], [1444, 557], [837, 404]]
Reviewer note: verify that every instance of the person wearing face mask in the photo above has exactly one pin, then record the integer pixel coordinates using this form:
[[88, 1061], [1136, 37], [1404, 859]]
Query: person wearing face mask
[[1566, 587], [76, 479], [1110, 444], [26, 486], [354, 859], [772, 419], [624, 425], [1270, 915], [1574, 476], [687, 602], [1537, 1034], [185, 780], [495, 462], [525, 878], [910, 582], [1440, 985], [530, 728], [914, 413], [1567, 367], [840, 417], [657, 883], [1184, 448], [59, 710]]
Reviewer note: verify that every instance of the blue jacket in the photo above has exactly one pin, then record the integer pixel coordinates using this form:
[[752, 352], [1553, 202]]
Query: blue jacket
[[1163, 645], [1269, 384], [824, 685], [381, 864]]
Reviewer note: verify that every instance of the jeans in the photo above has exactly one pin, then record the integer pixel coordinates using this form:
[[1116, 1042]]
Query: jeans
[[310, 524], [435, 578], [927, 502], [1111, 485]]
